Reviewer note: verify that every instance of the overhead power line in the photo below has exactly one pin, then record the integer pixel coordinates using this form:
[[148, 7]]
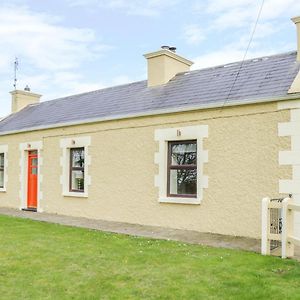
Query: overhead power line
[[246, 52]]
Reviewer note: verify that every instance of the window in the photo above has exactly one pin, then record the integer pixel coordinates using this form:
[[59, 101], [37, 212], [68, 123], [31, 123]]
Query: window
[[2, 170], [77, 169], [180, 159], [75, 161], [182, 169]]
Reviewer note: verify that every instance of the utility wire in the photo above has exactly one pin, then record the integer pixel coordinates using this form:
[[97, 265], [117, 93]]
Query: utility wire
[[246, 52]]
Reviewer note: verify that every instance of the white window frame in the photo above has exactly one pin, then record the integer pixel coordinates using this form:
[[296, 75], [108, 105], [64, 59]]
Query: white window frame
[[163, 136], [66, 144], [4, 150]]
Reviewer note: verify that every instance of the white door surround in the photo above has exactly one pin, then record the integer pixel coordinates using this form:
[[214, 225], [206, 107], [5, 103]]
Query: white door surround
[[24, 148]]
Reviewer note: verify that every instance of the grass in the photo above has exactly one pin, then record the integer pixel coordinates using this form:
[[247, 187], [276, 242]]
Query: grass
[[48, 261]]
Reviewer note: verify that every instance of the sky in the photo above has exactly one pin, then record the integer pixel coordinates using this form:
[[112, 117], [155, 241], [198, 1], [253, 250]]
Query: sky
[[67, 47]]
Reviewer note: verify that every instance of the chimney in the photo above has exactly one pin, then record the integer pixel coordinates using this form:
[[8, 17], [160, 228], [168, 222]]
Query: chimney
[[296, 20], [164, 64], [21, 99]]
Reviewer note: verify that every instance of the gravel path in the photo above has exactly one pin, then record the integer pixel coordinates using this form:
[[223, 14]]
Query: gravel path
[[188, 236]]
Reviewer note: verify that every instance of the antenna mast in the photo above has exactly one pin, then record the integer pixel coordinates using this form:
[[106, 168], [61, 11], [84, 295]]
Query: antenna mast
[[16, 64]]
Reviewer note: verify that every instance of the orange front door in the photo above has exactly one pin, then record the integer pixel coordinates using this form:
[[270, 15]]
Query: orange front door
[[32, 179]]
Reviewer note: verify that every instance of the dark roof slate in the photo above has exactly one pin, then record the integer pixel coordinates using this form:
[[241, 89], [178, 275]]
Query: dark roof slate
[[261, 78]]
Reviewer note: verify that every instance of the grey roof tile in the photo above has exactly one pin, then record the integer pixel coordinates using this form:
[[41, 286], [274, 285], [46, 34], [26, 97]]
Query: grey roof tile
[[260, 78]]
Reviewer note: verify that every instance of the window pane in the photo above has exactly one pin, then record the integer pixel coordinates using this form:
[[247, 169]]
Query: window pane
[[77, 180], [34, 162], [1, 160], [1, 179], [183, 182], [184, 154], [78, 157], [34, 171]]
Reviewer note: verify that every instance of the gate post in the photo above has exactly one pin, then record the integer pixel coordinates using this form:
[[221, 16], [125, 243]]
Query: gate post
[[287, 229], [265, 219]]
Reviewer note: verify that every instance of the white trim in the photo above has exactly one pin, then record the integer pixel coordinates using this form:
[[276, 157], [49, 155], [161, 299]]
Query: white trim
[[291, 157], [24, 148], [287, 248], [162, 136], [66, 144], [159, 112], [265, 219], [4, 149], [179, 200], [289, 104], [170, 54], [295, 87]]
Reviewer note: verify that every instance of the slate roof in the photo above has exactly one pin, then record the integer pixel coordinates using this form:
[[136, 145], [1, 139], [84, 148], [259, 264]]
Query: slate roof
[[259, 79]]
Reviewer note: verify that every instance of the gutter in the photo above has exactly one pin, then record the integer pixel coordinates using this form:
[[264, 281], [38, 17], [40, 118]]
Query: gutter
[[154, 112]]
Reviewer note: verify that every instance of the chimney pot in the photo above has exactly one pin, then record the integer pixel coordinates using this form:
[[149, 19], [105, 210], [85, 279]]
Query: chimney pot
[[173, 49]]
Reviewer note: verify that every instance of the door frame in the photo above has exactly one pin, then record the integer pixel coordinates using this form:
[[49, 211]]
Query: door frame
[[32, 203], [24, 149]]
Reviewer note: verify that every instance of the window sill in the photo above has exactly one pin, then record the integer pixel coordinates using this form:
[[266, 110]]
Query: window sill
[[179, 200], [2, 190], [74, 194]]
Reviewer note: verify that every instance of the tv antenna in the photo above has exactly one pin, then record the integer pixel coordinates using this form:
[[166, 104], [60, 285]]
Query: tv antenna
[[16, 65]]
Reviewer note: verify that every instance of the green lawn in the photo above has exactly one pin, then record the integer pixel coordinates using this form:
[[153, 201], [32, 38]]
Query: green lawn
[[48, 261]]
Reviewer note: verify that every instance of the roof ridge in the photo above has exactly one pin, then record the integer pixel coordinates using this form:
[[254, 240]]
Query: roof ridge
[[187, 72], [239, 62]]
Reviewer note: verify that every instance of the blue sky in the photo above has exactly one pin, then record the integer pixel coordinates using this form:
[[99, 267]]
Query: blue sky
[[70, 46]]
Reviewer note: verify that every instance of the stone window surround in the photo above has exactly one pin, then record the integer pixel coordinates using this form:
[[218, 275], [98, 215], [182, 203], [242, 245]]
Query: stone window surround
[[24, 148], [4, 149], [66, 144], [163, 136]]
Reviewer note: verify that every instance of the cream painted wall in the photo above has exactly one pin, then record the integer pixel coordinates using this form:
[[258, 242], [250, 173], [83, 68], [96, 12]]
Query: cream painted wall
[[163, 65], [242, 144], [163, 68], [21, 99]]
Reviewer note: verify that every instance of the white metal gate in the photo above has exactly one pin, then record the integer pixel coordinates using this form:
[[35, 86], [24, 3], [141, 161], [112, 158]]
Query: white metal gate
[[278, 234]]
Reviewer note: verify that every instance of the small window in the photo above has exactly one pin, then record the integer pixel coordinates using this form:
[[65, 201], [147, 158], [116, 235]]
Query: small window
[[1, 170], [77, 169], [182, 169]]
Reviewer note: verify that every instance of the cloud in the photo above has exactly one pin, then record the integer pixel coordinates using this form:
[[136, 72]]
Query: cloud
[[193, 34], [242, 13], [121, 79], [224, 56], [47, 48], [235, 52], [148, 8], [235, 20], [41, 40]]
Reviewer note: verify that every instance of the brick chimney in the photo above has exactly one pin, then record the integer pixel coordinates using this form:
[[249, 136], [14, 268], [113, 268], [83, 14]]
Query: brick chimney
[[21, 99], [164, 64], [296, 20]]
